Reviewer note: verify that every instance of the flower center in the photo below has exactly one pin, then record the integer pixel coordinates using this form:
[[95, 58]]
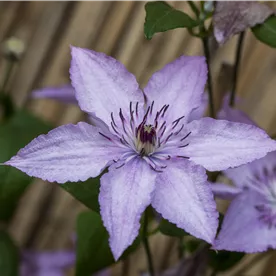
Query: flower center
[[264, 183], [146, 139]]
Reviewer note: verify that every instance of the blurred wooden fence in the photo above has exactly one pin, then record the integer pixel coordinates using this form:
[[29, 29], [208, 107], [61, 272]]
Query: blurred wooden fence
[[46, 214]]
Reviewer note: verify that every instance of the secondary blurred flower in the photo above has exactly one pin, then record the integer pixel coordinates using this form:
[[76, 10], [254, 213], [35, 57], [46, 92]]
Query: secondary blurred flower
[[250, 221], [13, 48], [49, 263], [46, 263], [64, 93], [195, 265], [154, 155], [233, 17]]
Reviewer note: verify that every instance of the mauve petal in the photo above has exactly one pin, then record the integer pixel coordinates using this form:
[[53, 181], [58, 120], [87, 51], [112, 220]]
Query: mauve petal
[[219, 145], [241, 175], [242, 230], [56, 259], [104, 272], [233, 17], [65, 93], [124, 195], [49, 272], [234, 115], [180, 84], [67, 153], [225, 191], [184, 197], [103, 85], [200, 111]]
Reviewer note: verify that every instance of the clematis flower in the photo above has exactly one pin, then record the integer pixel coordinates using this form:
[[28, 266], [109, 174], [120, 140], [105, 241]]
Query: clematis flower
[[46, 263], [66, 94], [50, 263], [250, 221], [233, 17], [154, 155]]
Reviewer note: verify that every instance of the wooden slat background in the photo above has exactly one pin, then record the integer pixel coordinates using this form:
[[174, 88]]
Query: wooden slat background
[[45, 218]]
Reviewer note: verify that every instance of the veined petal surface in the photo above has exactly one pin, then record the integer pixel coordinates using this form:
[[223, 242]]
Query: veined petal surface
[[103, 85], [67, 153], [184, 197], [179, 84], [219, 145], [124, 195]]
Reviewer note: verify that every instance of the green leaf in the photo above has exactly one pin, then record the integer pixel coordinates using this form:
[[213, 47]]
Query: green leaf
[[93, 252], [9, 257], [14, 135], [161, 17], [224, 260], [170, 229], [86, 192], [266, 32]]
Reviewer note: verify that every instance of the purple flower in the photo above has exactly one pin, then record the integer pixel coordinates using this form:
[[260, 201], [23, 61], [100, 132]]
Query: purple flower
[[46, 263], [250, 221], [50, 263], [233, 17], [155, 156], [64, 93]]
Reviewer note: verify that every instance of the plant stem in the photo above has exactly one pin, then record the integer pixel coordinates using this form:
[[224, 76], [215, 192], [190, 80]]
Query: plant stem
[[194, 8], [180, 248], [7, 75], [204, 39], [146, 244], [252, 262], [209, 81], [236, 68]]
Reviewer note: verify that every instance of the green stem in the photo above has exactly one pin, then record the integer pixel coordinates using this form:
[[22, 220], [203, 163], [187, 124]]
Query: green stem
[[7, 75], [146, 244], [180, 248], [204, 38], [209, 81], [194, 8], [236, 68]]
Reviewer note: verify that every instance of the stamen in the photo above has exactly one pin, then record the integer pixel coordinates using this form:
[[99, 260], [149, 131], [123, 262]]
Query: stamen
[[130, 107], [162, 132], [121, 116], [112, 125], [156, 117], [131, 115], [167, 139], [180, 156], [186, 136], [151, 107], [120, 166], [176, 133], [136, 109], [146, 115], [162, 125], [125, 140], [105, 136], [112, 118], [184, 146], [175, 122], [155, 169], [165, 110]]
